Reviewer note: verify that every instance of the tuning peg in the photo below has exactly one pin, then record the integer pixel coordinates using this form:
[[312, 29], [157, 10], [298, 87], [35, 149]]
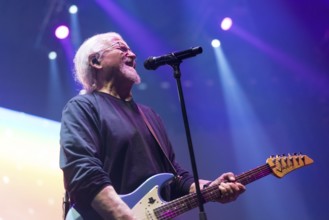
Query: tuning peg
[[291, 160], [272, 157], [297, 159]]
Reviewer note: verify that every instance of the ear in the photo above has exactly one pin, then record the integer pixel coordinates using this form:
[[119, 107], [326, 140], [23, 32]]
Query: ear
[[94, 61]]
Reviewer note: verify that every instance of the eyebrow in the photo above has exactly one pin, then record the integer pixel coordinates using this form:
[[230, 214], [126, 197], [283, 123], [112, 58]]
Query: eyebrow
[[120, 44], [111, 46]]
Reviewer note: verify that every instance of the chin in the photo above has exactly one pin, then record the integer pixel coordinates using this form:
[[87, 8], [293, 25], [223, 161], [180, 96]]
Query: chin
[[131, 74]]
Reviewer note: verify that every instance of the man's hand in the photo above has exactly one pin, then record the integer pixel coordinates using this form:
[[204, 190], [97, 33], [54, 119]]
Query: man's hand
[[229, 188]]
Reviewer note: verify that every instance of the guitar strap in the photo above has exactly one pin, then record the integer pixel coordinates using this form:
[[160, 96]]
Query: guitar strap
[[149, 126]]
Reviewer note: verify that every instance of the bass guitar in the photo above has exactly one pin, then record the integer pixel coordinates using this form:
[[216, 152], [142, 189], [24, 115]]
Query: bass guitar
[[147, 203]]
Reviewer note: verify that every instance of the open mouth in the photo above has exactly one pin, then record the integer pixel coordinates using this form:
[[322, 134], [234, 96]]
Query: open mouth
[[130, 63]]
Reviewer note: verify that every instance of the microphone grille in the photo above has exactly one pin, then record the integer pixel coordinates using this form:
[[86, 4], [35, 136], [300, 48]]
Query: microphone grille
[[149, 64]]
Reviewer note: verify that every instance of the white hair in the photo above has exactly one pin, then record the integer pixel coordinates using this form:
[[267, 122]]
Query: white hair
[[83, 71]]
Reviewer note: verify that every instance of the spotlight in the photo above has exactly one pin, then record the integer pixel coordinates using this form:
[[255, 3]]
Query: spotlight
[[52, 55], [226, 23], [215, 43], [73, 9], [62, 32]]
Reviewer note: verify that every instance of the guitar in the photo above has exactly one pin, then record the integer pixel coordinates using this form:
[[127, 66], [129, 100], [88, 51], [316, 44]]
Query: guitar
[[147, 204]]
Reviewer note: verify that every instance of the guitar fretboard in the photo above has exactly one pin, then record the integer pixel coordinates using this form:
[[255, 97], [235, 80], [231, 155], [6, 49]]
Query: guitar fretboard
[[190, 201]]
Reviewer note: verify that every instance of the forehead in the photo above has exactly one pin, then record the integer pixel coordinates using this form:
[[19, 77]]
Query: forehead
[[118, 40]]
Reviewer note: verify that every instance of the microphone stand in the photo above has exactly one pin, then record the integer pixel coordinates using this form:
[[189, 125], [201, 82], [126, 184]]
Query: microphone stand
[[177, 75]]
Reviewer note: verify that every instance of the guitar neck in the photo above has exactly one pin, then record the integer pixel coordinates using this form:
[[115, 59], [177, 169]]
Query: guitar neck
[[190, 201], [254, 174]]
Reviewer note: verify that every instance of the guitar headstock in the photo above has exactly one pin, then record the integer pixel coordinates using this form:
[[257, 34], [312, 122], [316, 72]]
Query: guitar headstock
[[281, 165]]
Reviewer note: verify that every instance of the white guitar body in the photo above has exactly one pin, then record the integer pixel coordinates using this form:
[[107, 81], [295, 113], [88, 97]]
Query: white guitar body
[[143, 200], [148, 197], [144, 208]]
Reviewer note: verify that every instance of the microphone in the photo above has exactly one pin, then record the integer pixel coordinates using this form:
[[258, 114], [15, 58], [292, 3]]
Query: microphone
[[153, 63]]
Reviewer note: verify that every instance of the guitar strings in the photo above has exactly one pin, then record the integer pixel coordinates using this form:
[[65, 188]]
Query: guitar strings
[[176, 207]]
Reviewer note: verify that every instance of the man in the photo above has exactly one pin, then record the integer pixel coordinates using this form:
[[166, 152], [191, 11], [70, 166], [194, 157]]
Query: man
[[107, 148]]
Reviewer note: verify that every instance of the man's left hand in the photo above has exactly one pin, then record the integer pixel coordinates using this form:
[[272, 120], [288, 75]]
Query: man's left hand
[[229, 188]]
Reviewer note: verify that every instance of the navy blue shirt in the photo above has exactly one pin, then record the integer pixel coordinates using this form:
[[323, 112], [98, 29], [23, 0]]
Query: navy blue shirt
[[104, 141]]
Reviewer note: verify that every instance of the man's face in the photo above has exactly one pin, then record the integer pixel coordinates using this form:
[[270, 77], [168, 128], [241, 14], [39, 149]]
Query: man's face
[[119, 61]]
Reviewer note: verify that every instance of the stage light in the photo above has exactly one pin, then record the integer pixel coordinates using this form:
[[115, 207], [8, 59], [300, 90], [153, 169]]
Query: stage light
[[52, 55], [215, 43], [226, 23], [73, 9], [62, 32]]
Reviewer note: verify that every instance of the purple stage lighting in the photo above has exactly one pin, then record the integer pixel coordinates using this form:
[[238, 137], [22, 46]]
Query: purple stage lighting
[[226, 23], [62, 32]]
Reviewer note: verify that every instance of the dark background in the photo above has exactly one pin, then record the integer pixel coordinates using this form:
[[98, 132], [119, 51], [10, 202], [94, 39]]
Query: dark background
[[278, 52]]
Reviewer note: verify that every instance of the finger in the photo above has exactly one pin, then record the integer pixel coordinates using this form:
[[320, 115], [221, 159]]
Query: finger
[[231, 177], [241, 187], [235, 187], [226, 196], [230, 191], [226, 189], [222, 189]]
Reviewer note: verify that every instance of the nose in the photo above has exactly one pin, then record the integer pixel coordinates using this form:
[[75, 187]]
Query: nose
[[131, 54]]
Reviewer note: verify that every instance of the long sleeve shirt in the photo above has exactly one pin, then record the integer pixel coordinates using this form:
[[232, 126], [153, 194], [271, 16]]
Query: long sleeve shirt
[[105, 141]]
